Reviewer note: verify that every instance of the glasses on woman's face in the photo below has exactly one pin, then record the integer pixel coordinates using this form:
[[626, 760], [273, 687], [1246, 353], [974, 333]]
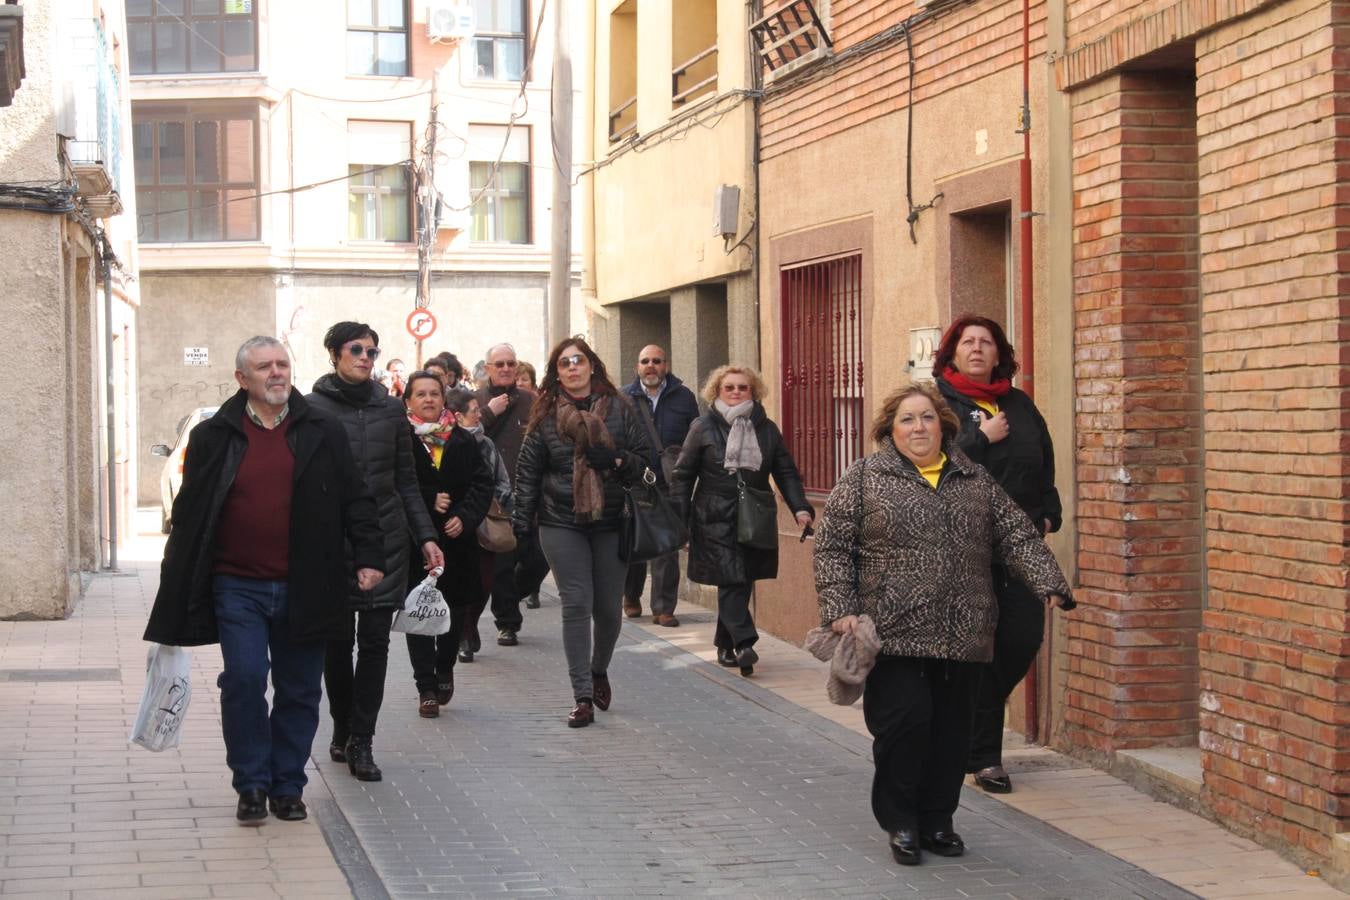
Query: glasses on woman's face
[[728, 388], [371, 353], [568, 362]]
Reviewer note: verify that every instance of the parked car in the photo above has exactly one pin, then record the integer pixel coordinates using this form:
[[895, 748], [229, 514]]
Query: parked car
[[171, 476]]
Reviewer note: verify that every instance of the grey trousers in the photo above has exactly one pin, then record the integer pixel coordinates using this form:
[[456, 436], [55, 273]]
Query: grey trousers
[[665, 583], [589, 575]]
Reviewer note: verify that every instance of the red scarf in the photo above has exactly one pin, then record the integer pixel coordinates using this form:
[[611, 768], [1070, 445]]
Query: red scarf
[[989, 393]]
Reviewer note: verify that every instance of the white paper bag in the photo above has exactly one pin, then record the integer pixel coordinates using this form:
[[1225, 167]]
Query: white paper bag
[[425, 612], [164, 703]]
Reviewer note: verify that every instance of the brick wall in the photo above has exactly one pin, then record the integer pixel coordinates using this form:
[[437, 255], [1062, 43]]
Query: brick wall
[[1132, 646], [958, 47], [1275, 654]]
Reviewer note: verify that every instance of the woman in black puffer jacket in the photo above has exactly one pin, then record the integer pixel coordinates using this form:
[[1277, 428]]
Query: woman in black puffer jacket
[[1002, 430], [735, 436], [584, 442], [377, 426]]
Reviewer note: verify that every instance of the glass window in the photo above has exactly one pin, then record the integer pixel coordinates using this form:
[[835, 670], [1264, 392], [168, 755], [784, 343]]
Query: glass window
[[501, 214], [175, 36], [195, 173], [379, 187], [377, 37], [499, 39]]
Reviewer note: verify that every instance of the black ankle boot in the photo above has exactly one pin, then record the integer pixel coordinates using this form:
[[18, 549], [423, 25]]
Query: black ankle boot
[[337, 748], [361, 759]]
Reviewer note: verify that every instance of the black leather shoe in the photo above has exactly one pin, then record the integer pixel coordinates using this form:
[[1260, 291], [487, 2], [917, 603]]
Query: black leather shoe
[[445, 688], [943, 843], [361, 760], [581, 715], [532, 601], [288, 809], [337, 751], [507, 638], [994, 780], [746, 657], [252, 808], [465, 652], [905, 846], [601, 691], [726, 657]]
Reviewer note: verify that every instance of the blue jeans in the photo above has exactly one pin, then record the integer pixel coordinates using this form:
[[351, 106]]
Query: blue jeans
[[265, 751]]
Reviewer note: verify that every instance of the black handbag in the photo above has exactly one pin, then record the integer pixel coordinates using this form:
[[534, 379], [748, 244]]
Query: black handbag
[[756, 516], [650, 526]]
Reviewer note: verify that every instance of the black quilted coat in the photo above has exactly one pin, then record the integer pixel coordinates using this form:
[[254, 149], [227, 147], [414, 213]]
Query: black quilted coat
[[464, 475], [381, 441], [705, 493], [544, 471], [917, 559]]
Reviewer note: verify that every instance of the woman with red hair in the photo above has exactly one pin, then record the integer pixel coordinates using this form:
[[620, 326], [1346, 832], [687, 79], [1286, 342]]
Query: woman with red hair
[[1002, 430]]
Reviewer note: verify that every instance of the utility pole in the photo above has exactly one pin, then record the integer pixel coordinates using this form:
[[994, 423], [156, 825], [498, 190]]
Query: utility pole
[[560, 269], [426, 225]]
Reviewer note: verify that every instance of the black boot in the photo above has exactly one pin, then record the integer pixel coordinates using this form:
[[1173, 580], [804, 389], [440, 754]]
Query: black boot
[[361, 759], [337, 747]]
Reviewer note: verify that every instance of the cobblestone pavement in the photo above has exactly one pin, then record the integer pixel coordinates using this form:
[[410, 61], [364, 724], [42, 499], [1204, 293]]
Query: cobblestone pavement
[[684, 788]]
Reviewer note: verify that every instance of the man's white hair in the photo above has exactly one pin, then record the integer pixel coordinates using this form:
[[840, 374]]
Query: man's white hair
[[495, 347], [262, 340]]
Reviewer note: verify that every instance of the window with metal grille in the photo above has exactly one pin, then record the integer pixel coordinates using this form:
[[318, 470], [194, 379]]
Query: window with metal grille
[[823, 368]]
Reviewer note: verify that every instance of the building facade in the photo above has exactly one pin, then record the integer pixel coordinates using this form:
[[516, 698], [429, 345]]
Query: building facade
[[293, 160], [671, 185], [69, 282]]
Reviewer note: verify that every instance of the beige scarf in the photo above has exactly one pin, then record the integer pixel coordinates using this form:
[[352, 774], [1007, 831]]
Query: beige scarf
[[585, 429], [743, 451]]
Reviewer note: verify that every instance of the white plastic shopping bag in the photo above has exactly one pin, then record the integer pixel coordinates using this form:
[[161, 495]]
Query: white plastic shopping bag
[[164, 703], [425, 612]]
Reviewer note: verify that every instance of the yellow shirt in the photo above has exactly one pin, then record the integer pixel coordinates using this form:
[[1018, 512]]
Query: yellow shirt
[[988, 406], [932, 472]]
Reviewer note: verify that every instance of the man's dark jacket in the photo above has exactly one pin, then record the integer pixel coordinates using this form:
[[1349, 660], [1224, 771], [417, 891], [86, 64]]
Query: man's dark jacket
[[676, 409], [329, 504], [381, 442], [507, 430]]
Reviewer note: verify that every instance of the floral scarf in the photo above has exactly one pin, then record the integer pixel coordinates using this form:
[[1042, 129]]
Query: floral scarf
[[585, 428], [434, 434]]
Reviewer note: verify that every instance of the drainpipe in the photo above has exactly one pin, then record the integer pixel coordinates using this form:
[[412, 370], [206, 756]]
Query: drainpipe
[[1026, 327], [106, 254]]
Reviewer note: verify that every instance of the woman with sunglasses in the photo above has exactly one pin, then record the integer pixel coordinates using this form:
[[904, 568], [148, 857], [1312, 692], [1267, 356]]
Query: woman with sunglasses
[[584, 442], [381, 440], [735, 441]]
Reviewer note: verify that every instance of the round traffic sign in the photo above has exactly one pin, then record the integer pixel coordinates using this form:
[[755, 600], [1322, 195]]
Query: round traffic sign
[[421, 324]]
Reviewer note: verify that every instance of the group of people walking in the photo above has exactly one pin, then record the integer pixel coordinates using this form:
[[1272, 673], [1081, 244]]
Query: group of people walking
[[305, 520]]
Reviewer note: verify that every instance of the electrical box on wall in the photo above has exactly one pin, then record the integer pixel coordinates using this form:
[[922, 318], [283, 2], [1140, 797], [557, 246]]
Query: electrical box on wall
[[922, 344], [726, 211]]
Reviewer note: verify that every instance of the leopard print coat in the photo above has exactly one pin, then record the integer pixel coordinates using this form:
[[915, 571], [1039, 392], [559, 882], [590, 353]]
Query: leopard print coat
[[917, 560]]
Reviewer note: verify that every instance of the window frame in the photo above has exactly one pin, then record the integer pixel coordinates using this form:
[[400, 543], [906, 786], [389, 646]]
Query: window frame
[[406, 31], [494, 36], [189, 114], [410, 189], [187, 19]]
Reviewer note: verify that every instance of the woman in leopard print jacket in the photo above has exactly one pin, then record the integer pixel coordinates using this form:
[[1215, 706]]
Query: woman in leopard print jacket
[[907, 537]]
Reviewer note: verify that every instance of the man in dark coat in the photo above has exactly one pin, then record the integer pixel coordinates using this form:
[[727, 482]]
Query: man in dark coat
[[270, 492], [505, 409], [671, 407]]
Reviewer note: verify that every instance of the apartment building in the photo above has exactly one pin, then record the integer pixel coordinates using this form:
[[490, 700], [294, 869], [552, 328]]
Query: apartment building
[[70, 293], [671, 182], [290, 158]]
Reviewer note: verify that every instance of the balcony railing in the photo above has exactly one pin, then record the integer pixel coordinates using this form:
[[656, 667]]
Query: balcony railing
[[618, 130], [95, 146], [703, 66]]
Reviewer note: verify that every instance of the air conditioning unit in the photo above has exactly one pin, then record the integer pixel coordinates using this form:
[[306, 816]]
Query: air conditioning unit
[[449, 20]]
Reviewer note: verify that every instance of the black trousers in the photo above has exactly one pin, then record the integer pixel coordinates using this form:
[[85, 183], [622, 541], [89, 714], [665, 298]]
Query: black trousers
[[735, 624], [433, 658], [665, 583], [1021, 623], [531, 567], [355, 693], [918, 711]]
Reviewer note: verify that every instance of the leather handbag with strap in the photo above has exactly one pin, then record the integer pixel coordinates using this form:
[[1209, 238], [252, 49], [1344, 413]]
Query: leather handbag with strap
[[650, 527], [494, 532], [756, 516]]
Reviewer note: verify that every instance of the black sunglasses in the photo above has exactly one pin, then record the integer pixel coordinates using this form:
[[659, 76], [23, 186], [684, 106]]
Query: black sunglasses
[[655, 361], [567, 362]]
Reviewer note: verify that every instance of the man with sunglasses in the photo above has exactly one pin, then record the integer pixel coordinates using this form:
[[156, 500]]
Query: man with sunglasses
[[505, 409], [671, 408]]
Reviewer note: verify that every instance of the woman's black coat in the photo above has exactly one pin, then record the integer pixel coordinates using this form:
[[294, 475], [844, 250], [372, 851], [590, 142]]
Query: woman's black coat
[[544, 471], [465, 477], [381, 442], [330, 506], [1023, 463], [715, 557]]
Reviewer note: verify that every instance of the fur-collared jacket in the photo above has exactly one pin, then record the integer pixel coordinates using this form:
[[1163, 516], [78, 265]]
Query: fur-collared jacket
[[917, 558]]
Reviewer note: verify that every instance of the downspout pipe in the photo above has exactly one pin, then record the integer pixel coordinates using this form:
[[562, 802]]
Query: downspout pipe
[[110, 396], [1026, 324]]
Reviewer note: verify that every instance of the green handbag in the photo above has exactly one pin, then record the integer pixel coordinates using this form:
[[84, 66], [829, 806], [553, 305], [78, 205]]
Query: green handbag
[[756, 516]]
